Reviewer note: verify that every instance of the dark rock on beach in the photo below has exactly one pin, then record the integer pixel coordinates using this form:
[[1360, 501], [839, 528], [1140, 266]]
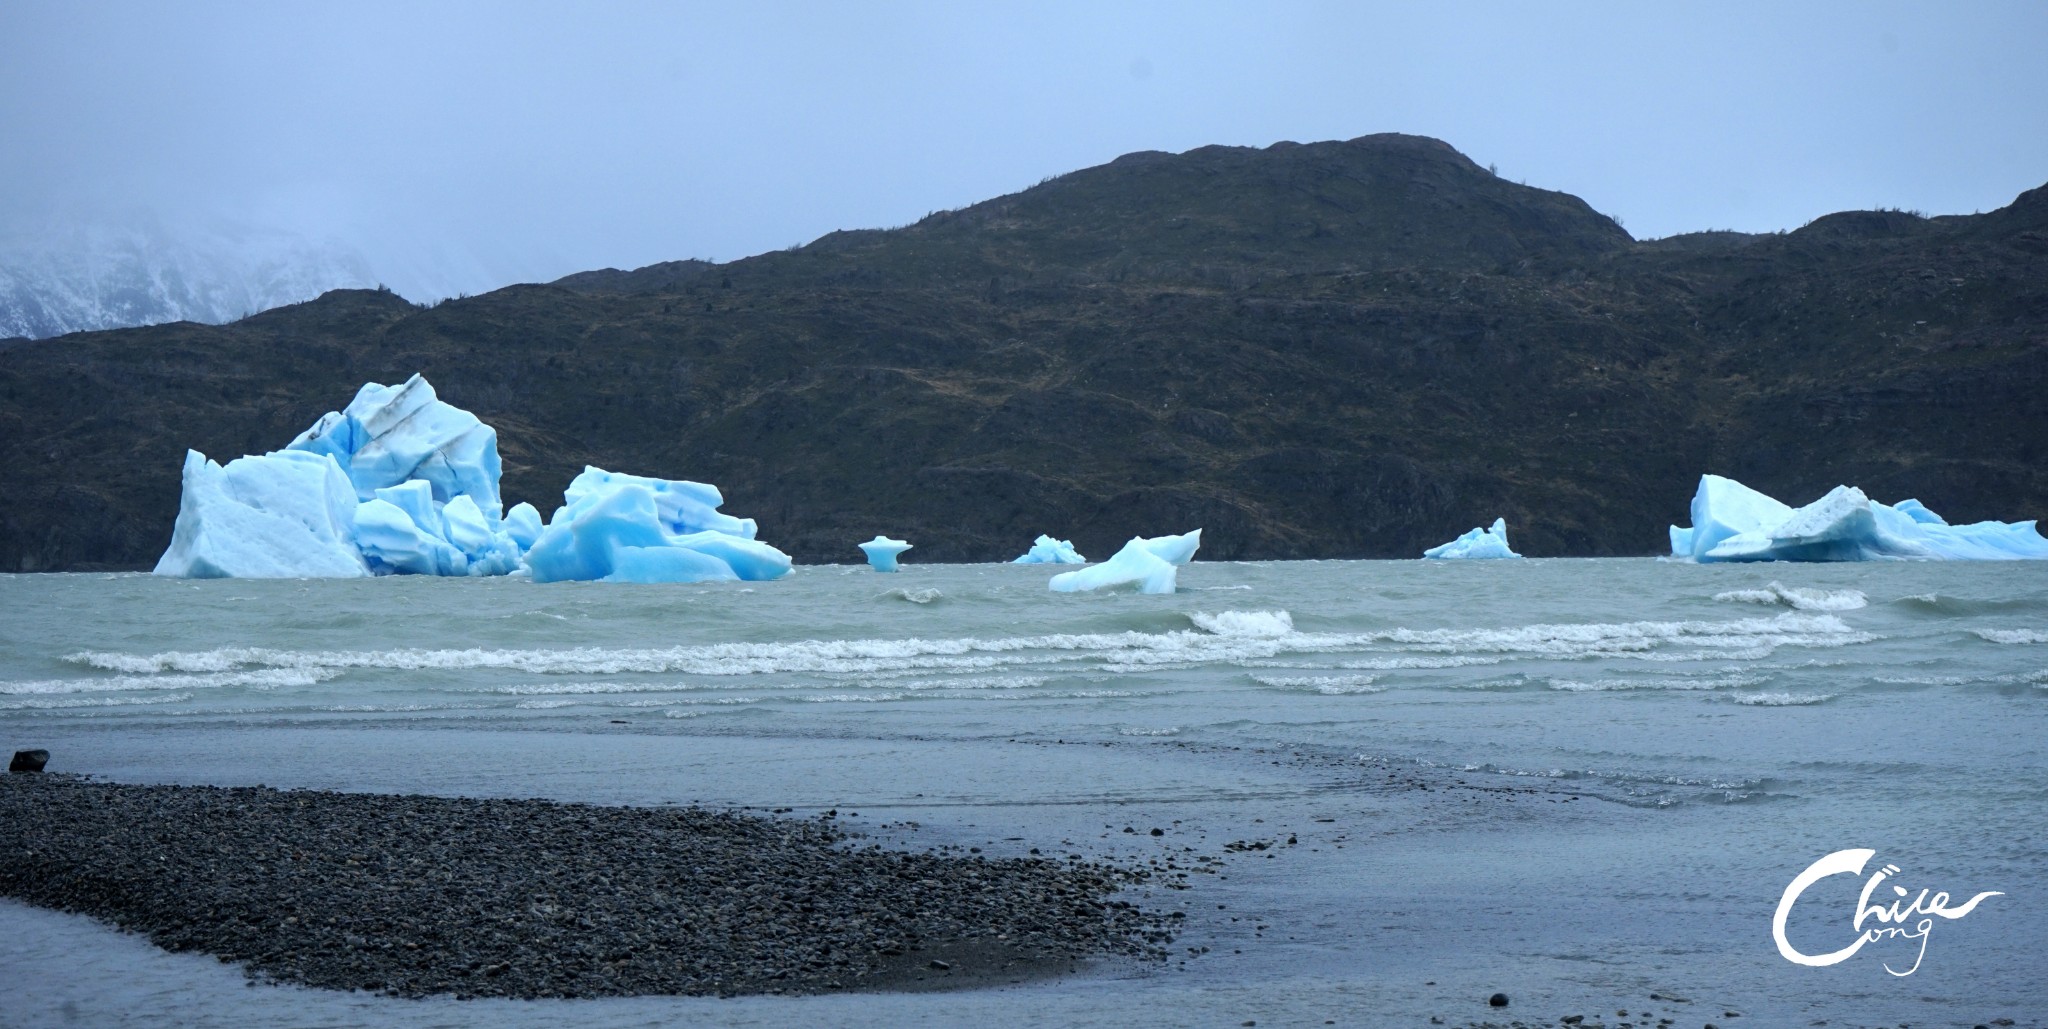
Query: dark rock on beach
[[415, 895], [29, 761]]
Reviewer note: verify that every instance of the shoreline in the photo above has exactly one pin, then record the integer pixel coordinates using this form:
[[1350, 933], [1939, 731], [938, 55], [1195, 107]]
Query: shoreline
[[415, 896]]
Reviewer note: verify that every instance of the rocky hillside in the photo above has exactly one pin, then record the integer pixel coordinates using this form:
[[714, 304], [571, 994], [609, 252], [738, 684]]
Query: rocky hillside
[[1346, 349]]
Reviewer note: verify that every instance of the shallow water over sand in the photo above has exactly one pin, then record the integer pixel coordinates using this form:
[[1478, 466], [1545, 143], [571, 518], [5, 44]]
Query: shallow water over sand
[[1577, 782]]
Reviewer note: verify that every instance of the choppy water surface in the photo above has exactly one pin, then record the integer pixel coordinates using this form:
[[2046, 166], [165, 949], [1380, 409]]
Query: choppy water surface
[[1579, 782]]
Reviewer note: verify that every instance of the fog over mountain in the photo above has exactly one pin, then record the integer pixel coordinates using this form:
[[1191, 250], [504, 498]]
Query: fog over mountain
[[462, 146]]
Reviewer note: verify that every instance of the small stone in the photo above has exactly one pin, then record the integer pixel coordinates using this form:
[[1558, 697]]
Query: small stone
[[941, 966], [1158, 832], [1498, 1000], [29, 761]]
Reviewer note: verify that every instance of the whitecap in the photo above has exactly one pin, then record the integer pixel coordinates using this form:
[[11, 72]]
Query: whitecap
[[258, 679], [1252, 624], [2013, 635], [1802, 598], [1781, 699], [1331, 685], [1668, 683], [50, 703]]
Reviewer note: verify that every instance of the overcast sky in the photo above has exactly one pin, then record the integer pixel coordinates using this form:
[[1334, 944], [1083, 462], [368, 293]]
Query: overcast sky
[[476, 144]]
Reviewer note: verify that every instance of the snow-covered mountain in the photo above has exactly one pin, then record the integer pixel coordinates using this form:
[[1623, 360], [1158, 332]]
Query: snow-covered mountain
[[108, 276]]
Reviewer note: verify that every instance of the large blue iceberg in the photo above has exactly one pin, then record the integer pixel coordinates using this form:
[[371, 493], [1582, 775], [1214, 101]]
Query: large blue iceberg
[[1153, 565], [1488, 542], [1731, 522], [398, 481], [882, 551], [1048, 551], [401, 482]]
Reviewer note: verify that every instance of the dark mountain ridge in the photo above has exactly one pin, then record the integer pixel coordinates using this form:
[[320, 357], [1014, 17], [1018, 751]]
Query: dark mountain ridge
[[1346, 349]]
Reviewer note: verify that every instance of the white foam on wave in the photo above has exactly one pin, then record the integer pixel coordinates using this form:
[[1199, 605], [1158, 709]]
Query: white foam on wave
[[1243, 638], [544, 705], [1330, 685], [1253, 624], [1392, 664], [54, 703], [256, 679], [2013, 635], [1620, 638], [1781, 699], [1668, 683], [1171, 730], [1800, 598], [916, 596]]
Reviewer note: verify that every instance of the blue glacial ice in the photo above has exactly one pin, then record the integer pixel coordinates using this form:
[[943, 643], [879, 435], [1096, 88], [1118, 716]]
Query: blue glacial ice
[[1488, 542], [1151, 564], [400, 482], [1731, 522], [882, 551], [1048, 551], [277, 516], [523, 524], [628, 528], [389, 435]]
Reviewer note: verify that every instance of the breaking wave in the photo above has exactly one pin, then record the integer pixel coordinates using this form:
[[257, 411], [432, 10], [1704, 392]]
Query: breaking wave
[[1255, 624], [1781, 699], [1800, 598], [259, 678], [1333, 685], [2014, 635]]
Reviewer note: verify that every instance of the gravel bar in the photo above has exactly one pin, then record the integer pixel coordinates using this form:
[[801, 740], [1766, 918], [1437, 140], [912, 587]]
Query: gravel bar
[[411, 895]]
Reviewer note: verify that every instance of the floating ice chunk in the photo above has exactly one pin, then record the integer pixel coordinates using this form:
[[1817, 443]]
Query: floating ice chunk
[[523, 524], [1175, 550], [882, 551], [1722, 508], [389, 435], [615, 530], [1732, 522], [273, 517], [1152, 565], [667, 564], [394, 542], [1489, 542], [1048, 551], [488, 552], [681, 506], [750, 559]]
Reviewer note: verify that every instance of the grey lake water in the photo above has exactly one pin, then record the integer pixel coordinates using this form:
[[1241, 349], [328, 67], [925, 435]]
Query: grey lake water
[[1583, 783]]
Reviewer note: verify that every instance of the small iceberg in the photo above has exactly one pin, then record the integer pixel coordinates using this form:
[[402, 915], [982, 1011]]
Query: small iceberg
[[1731, 522], [629, 528], [882, 551], [1152, 564], [1048, 551], [1481, 543]]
